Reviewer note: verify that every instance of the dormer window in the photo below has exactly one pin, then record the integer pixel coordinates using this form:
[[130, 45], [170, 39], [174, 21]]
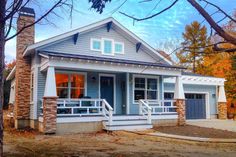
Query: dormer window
[[119, 48], [95, 44]]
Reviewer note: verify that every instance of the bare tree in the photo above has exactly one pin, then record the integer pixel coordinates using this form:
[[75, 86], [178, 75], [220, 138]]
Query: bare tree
[[8, 12], [99, 5]]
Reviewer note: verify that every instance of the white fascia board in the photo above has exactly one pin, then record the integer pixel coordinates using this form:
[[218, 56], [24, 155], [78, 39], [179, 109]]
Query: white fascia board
[[110, 67], [89, 27], [12, 74], [197, 80]]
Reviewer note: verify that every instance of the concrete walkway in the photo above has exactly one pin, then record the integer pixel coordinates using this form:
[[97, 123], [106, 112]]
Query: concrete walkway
[[228, 125]]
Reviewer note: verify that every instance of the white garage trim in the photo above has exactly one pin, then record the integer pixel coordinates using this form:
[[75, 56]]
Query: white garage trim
[[207, 100]]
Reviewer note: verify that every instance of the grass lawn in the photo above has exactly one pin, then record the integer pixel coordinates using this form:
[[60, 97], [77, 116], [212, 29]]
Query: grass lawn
[[118, 144]]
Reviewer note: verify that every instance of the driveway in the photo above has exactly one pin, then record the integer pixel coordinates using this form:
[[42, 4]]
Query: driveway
[[229, 125]]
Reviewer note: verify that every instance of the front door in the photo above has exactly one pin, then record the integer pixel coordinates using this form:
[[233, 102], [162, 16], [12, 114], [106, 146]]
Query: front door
[[107, 89]]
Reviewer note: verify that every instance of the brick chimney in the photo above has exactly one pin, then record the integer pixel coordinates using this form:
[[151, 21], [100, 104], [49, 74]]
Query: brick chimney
[[23, 68]]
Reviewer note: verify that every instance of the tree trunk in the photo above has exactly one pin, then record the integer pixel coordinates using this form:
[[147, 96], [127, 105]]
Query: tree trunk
[[2, 48]]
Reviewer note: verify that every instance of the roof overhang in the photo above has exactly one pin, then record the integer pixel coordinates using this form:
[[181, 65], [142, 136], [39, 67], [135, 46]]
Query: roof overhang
[[30, 49], [12, 74]]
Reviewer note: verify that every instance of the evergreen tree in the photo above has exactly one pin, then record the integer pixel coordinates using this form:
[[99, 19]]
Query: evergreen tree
[[194, 46]]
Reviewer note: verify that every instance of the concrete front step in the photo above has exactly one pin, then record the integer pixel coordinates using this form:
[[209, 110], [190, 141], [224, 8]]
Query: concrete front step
[[128, 127], [127, 122]]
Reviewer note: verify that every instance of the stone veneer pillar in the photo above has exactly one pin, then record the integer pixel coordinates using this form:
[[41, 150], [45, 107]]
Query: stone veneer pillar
[[180, 101], [23, 69], [49, 114], [50, 103], [222, 106]]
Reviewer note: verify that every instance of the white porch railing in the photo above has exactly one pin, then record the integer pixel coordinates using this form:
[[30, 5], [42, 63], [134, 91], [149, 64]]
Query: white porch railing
[[84, 107], [149, 107]]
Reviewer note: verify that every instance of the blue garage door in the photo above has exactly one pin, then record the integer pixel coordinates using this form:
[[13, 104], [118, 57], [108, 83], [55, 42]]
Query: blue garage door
[[195, 106]]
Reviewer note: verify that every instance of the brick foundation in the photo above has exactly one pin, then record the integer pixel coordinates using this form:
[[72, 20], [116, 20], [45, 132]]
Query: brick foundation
[[180, 103], [49, 115], [222, 110]]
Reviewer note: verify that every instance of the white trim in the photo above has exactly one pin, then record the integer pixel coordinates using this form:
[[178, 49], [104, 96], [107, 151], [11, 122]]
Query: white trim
[[74, 72], [91, 44], [207, 99], [127, 94], [79, 119], [84, 29], [197, 80], [112, 46], [123, 48], [114, 88], [145, 77], [110, 67], [12, 74]]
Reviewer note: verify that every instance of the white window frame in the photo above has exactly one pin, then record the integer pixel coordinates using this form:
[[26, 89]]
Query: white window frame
[[91, 44], [32, 86], [145, 93], [123, 48], [112, 44], [69, 83]]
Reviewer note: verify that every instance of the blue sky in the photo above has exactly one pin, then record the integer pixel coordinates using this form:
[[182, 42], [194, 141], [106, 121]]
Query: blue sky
[[161, 32]]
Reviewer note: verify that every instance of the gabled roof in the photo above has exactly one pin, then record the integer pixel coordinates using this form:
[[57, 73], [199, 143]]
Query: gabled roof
[[91, 27]]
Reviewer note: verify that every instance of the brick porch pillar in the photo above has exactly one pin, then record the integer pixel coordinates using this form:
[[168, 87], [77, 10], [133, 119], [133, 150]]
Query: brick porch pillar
[[180, 101], [50, 103], [49, 114], [222, 106]]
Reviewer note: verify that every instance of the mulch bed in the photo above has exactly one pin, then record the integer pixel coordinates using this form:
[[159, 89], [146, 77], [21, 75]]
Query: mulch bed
[[196, 131]]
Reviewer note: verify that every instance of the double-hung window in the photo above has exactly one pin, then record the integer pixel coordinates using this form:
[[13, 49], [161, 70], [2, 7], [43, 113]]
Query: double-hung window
[[145, 88], [107, 48], [119, 48], [70, 85], [95, 44]]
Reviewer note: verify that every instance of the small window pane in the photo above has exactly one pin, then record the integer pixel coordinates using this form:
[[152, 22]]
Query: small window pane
[[139, 83], [96, 45], [77, 80], [107, 47], [62, 92], [118, 48], [62, 80], [152, 84], [151, 95], [139, 94], [76, 93]]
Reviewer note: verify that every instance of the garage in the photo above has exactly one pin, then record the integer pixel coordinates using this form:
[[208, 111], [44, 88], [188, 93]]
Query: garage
[[195, 104]]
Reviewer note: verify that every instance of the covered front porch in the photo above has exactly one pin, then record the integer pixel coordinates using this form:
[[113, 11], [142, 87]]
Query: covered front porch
[[104, 90]]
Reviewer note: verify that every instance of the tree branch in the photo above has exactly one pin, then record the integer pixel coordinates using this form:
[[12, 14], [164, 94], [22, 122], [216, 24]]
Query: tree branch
[[149, 17], [213, 24], [38, 20]]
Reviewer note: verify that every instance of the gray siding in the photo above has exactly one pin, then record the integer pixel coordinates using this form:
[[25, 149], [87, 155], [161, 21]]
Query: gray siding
[[41, 87], [83, 46], [198, 88]]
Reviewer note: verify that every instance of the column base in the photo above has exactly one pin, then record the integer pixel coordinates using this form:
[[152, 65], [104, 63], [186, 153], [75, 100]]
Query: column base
[[180, 103], [222, 110]]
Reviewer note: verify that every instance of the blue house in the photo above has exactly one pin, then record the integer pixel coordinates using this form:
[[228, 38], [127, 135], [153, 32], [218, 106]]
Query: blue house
[[102, 76]]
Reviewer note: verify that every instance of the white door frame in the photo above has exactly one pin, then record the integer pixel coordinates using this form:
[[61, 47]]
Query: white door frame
[[114, 88]]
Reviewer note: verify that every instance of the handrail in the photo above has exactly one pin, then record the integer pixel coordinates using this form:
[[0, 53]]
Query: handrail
[[144, 109], [109, 111]]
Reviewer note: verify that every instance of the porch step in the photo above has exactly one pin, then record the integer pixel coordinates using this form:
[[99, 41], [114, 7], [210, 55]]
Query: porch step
[[128, 127], [127, 123]]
